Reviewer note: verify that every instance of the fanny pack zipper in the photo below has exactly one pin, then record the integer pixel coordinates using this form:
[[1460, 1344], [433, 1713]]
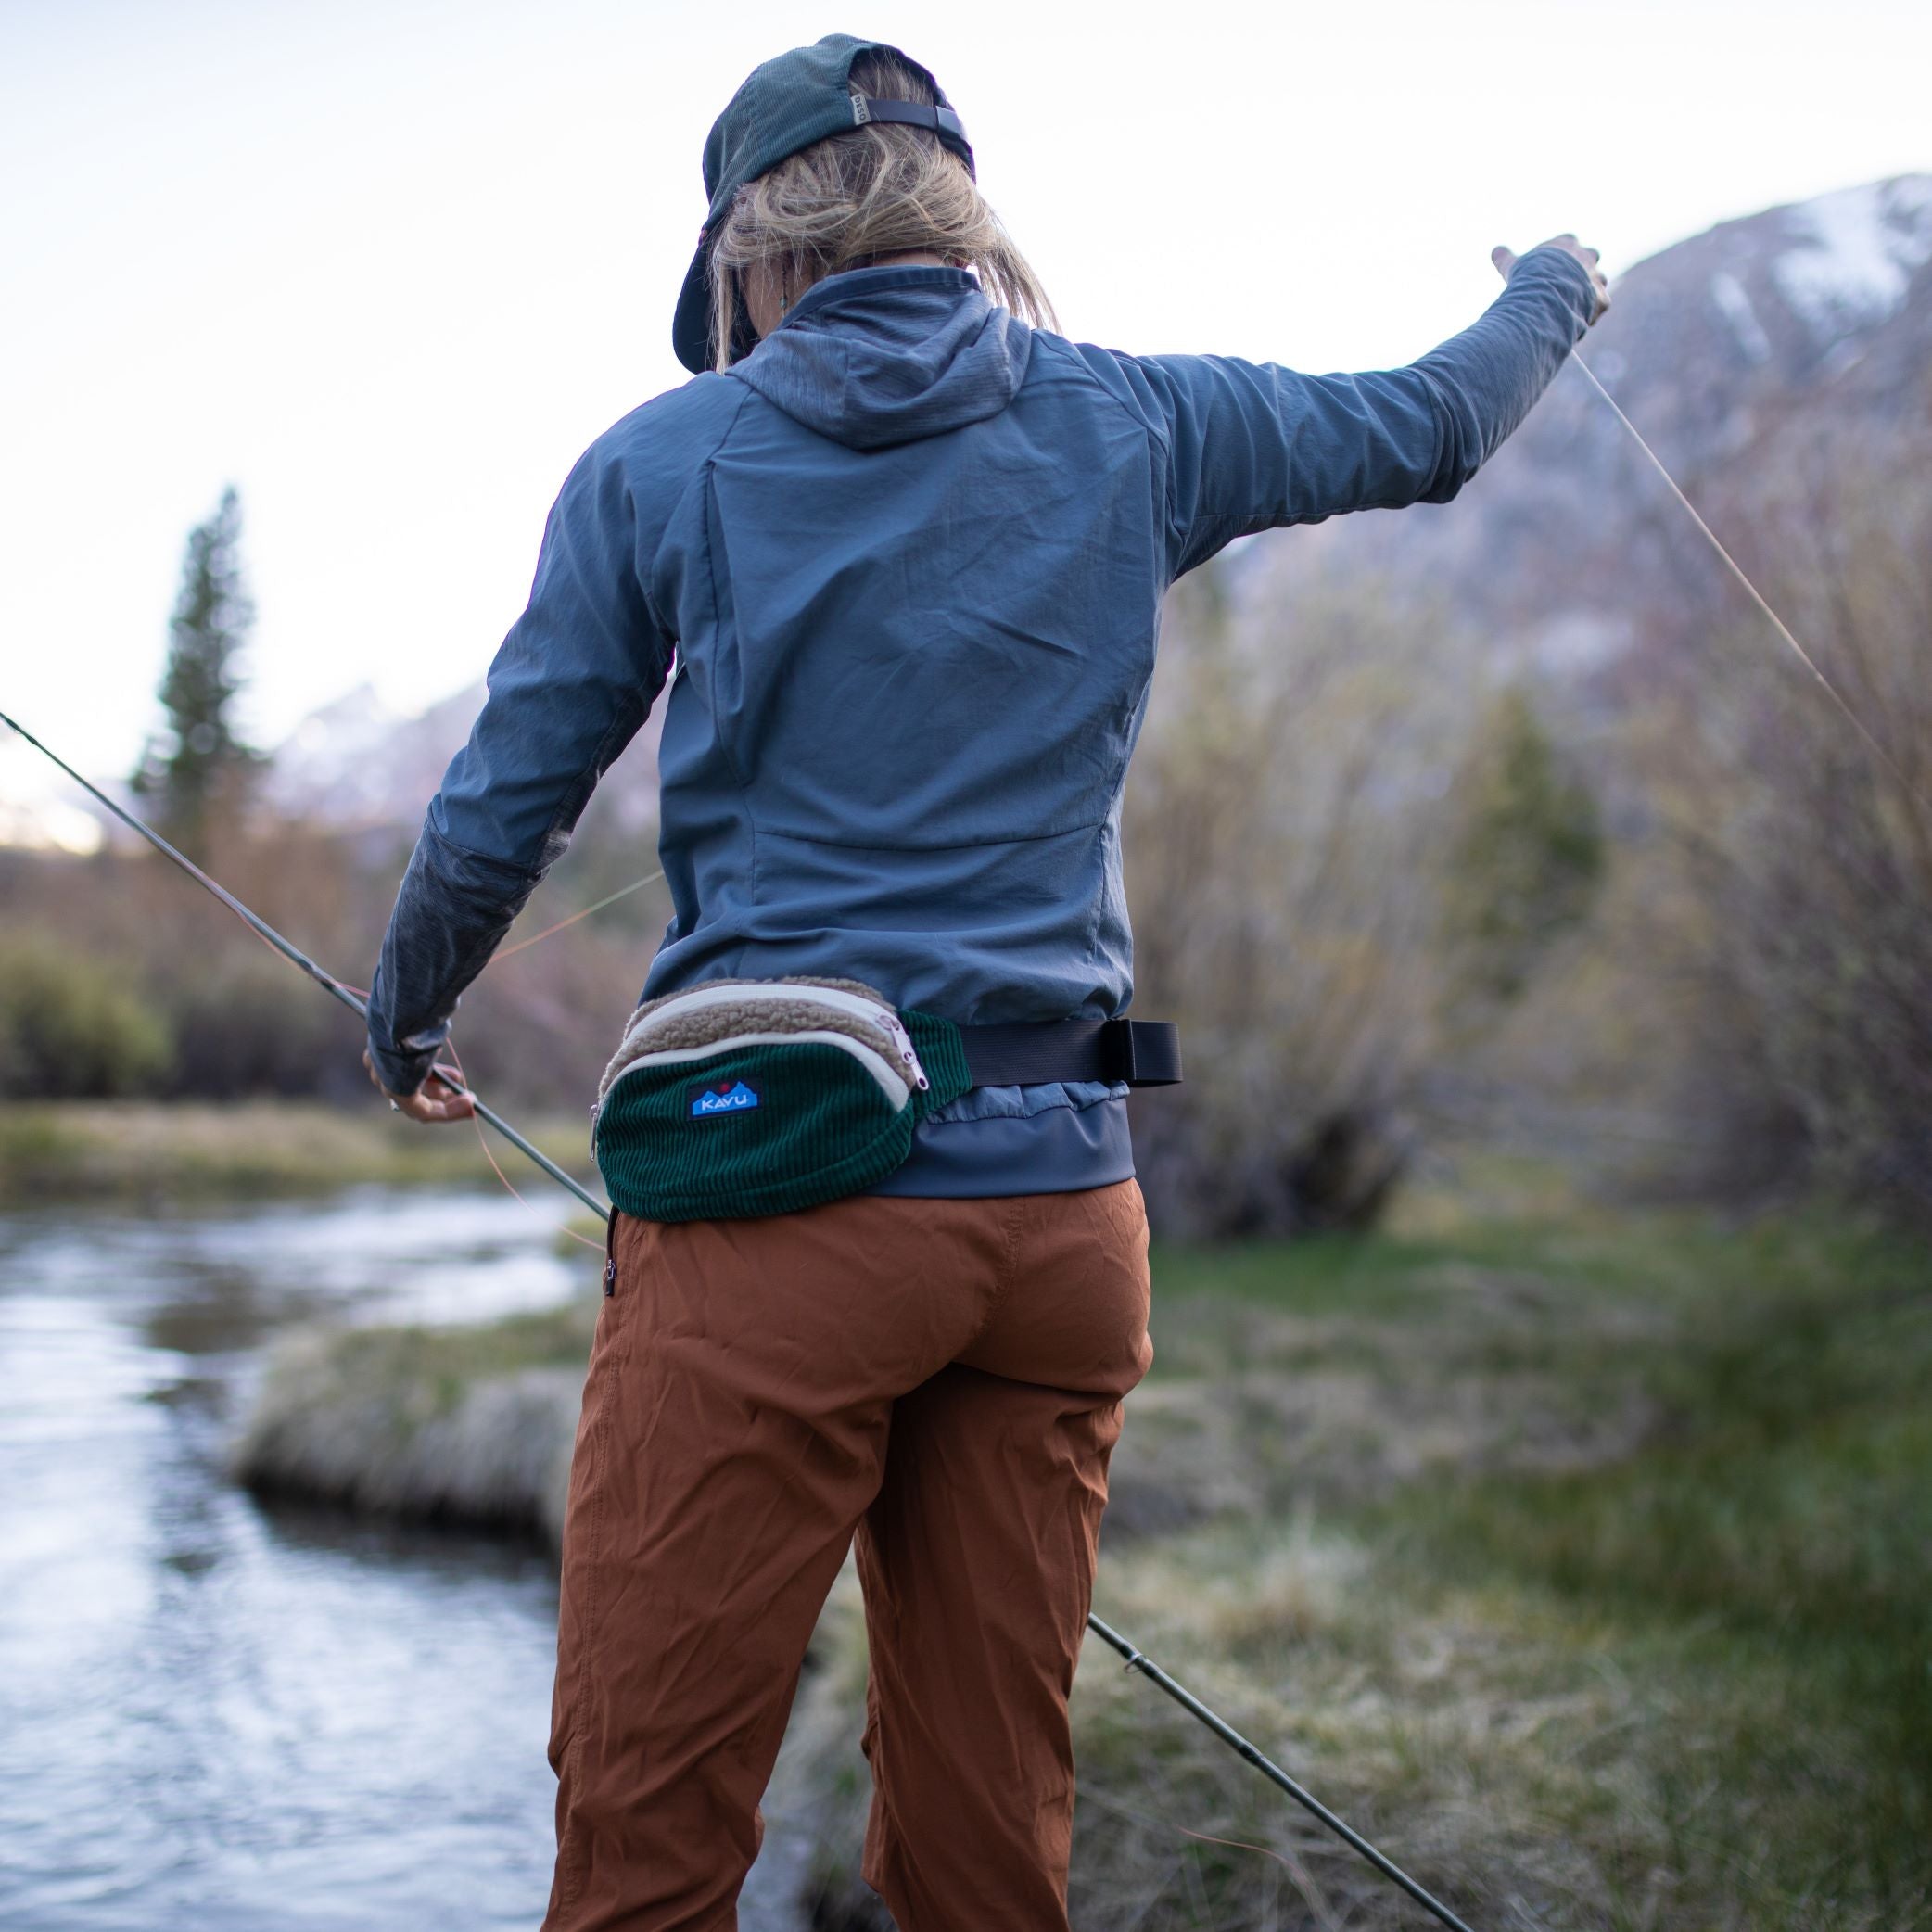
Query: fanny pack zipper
[[875, 1063], [881, 1016]]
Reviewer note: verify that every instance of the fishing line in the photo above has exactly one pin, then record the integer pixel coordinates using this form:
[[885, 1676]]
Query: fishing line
[[623, 892], [1757, 596], [460, 1085]]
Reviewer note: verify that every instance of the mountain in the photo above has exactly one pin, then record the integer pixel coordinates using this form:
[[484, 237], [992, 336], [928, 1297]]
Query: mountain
[[354, 765], [1739, 354]]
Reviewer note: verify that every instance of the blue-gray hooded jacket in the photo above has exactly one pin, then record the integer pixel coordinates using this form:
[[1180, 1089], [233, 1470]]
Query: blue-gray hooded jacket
[[902, 570]]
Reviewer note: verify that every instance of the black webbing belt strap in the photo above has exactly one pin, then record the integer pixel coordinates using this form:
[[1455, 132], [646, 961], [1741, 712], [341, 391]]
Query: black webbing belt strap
[[1141, 1052], [941, 121]]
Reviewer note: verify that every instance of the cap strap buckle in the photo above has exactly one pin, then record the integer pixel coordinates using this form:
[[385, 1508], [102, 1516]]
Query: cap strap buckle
[[938, 120]]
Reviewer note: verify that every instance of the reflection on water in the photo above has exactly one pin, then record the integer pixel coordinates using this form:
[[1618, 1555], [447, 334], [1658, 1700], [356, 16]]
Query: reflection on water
[[219, 1718]]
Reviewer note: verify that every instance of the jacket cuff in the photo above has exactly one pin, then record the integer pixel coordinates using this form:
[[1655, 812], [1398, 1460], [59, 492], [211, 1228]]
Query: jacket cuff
[[452, 909], [403, 1067], [1556, 266]]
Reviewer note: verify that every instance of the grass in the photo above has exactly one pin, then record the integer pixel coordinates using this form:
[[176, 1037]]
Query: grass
[[472, 1425], [1584, 1561], [69, 1148], [1769, 1556]]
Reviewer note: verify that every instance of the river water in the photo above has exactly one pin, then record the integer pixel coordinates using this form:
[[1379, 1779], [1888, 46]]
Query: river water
[[217, 1715]]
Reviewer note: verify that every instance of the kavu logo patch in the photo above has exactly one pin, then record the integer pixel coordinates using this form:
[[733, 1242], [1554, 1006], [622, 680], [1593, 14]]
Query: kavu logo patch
[[727, 1097]]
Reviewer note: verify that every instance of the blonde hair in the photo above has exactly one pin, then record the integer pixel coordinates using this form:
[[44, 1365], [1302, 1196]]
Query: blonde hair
[[881, 189]]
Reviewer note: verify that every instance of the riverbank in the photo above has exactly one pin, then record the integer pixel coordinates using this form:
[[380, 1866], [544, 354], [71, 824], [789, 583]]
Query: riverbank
[[433, 1424], [69, 1148], [1581, 1558]]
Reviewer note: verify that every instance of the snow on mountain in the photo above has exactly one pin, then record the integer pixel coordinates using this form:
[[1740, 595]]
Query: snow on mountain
[[1861, 248], [1727, 292], [1743, 355]]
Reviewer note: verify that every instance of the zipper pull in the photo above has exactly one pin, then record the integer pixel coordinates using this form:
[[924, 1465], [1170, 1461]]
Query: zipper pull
[[610, 1256], [895, 1027]]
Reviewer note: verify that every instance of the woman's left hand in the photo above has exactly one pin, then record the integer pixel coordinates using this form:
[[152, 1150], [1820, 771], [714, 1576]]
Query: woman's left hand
[[432, 1102], [1506, 260]]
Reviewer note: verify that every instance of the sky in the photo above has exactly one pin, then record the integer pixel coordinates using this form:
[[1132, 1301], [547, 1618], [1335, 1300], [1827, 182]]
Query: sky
[[389, 268]]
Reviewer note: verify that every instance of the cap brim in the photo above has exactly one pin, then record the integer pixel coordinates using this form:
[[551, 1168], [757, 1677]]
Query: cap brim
[[691, 327]]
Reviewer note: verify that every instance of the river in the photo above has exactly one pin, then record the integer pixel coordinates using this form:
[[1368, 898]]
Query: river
[[221, 1715]]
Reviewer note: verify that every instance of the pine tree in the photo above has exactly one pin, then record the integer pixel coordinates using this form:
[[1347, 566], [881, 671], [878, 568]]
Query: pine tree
[[1530, 856], [201, 767]]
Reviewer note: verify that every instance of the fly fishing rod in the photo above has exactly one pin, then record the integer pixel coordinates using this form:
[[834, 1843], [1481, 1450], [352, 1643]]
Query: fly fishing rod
[[1270, 1770], [1106, 1632]]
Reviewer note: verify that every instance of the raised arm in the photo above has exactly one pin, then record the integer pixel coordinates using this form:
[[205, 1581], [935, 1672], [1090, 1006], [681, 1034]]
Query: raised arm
[[1252, 445], [576, 677]]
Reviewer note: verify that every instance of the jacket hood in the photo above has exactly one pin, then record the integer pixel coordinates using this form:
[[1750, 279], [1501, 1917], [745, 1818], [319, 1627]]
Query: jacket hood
[[878, 356]]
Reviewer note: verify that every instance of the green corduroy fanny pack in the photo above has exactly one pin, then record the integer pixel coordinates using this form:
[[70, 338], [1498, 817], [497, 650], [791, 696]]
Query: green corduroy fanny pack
[[743, 1098]]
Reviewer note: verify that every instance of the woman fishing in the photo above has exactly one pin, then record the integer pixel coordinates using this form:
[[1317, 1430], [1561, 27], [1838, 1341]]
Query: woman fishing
[[893, 561]]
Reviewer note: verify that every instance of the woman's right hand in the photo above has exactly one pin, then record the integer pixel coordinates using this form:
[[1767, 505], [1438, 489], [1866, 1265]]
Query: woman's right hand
[[1506, 260], [432, 1102]]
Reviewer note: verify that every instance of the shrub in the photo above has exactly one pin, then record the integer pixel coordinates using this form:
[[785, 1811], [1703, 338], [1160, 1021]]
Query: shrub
[[73, 1028], [1285, 844], [1807, 852], [247, 1024]]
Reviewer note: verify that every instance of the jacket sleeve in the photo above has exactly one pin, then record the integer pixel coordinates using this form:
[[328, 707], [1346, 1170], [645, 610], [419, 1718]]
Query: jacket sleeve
[[1253, 445], [575, 679]]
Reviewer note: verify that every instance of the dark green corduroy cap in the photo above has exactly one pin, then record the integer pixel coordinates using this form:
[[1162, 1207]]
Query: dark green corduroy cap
[[784, 106]]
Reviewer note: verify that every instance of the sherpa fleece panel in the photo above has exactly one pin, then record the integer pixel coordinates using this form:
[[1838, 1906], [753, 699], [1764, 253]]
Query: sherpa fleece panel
[[663, 1033], [905, 561]]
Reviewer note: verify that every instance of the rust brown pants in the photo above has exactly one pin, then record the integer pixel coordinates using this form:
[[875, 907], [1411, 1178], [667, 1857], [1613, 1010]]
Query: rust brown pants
[[941, 1378]]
